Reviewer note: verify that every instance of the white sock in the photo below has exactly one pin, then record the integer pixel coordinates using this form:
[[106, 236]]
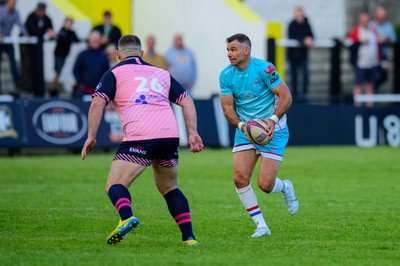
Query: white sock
[[249, 201], [278, 187]]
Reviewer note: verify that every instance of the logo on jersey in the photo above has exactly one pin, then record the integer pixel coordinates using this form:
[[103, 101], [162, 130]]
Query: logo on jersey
[[273, 77], [98, 86], [247, 95], [270, 69], [141, 99]]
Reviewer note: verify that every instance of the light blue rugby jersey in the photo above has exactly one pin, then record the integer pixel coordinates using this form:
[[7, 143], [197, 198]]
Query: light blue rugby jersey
[[251, 89]]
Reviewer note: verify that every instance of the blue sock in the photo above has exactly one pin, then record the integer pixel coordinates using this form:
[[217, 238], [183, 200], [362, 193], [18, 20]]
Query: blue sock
[[179, 209], [121, 199]]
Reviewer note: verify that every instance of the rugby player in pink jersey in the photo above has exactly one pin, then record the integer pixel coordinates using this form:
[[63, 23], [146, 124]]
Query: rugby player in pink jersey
[[141, 94]]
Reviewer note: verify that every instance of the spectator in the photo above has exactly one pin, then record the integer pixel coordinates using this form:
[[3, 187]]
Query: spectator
[[32, 73], [387, 36], [151, 56], [8, 17], [65, 38], [364, 56], [111, 53], [181, 63], [90, 66], [300, 30], [109, 32]]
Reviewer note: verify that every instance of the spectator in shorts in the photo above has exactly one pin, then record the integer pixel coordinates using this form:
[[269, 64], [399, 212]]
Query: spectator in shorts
[[65, 37], [90, 66], [387, 36], [365, 51]]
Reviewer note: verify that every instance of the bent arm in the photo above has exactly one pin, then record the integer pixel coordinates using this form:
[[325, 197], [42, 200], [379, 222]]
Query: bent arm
[[285, 99], [227, 103]]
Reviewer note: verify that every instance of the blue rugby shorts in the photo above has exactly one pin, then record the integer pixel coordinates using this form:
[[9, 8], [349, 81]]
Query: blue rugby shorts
[[273, 150]]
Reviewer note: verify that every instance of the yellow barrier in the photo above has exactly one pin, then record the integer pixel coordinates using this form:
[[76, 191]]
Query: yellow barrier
[[94, 9], [275, 30]]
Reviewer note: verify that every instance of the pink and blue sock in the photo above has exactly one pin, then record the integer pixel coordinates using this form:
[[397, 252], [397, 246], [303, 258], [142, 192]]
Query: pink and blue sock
[[121, 199], [179, 209]]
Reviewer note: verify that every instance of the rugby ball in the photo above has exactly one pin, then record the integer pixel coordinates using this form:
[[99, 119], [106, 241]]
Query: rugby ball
[[255, 129]]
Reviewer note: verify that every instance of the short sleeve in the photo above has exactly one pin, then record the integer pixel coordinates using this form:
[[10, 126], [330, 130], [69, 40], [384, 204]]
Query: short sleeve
[[224, 86], [106, 87], [176, 93], [270, 76]]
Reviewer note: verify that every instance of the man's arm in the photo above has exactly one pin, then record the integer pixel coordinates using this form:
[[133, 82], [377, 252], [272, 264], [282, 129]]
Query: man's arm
[[189, 113], [284, 103], [95, 115], [285, 99], [228, 109]]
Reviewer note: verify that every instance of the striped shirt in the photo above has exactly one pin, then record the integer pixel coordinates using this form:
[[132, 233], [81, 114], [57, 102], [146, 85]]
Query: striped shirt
[[141, 94], [8, 19]]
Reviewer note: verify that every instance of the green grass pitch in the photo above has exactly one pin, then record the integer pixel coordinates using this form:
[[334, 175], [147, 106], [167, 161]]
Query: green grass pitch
[[54, 212]]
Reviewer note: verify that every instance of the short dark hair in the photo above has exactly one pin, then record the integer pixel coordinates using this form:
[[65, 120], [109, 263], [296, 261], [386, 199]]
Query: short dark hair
[[129, 44], [41, 5], [240, 37], [107, 13]]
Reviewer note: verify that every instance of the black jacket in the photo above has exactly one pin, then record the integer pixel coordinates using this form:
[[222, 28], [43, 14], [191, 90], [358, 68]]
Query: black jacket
[[299, 31], [113, 36], [38, 27], [64, 40]]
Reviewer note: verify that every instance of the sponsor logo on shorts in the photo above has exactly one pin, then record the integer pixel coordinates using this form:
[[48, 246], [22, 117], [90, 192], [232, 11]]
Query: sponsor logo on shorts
[[138, 150]]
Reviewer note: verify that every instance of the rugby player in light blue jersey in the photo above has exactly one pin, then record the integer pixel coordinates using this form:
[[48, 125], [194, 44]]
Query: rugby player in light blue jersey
[[254, 88]]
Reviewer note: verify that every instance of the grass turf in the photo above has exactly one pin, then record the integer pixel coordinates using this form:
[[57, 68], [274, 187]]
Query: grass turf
[[54, 212]]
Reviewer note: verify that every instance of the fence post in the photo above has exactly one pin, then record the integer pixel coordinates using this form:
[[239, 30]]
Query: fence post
[[335, 85], [271, 50]]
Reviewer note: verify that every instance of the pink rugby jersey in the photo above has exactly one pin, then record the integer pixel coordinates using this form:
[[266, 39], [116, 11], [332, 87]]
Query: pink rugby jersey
[[141, 94]]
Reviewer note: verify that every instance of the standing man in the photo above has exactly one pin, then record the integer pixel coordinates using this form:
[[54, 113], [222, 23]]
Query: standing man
[[255, 88], [32, 68], [9, 16], [110, 33], [89, 67], [141, 94], [65, 37], [181, 63], [387, 36], [300, 30], [151, 56], [365, 55]]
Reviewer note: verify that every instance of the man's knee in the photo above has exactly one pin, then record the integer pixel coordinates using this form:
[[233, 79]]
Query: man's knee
[[241, 181], [266, 185]]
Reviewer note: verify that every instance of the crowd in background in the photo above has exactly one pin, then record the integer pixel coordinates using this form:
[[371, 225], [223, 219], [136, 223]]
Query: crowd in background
[[90, 64], [368, 43]]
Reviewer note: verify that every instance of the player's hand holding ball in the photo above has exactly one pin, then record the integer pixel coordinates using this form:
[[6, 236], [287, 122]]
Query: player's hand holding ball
[[259, 131]]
